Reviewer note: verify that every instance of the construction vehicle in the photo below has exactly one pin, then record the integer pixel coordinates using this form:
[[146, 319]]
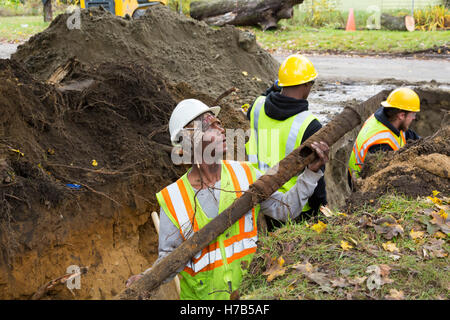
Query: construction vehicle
[[134, 8]]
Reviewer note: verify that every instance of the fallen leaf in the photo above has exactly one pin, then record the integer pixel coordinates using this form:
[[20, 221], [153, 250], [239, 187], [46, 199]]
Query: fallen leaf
[[319, 227], [274, 271], [340, 282], [379, 276], [345, 245], [245, 73], [395, 295], [388, 227], [280, 261], [434, 246], [394, 257], [304, 267], [435, 192], [357, 280], [391, 247], [94, 163], [326, 211], [440, 221], [415, 235], [440, 235]]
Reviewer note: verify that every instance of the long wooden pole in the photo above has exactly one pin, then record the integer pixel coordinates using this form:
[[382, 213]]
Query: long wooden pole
[[260, 190]]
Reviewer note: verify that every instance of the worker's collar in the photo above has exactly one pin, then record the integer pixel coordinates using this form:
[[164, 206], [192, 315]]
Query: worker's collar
[[381, 116], [281, 107]]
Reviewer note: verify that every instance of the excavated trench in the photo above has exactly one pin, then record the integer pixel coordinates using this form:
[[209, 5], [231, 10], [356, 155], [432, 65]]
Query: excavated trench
[[58, 207]]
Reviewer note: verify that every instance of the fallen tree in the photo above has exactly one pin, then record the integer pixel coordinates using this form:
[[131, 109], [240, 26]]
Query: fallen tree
[[260, 190], [264, 13]]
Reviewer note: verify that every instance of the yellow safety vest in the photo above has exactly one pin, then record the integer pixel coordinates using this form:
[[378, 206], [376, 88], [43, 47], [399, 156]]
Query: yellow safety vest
[[272, 140], [372, 133], [216, 271]]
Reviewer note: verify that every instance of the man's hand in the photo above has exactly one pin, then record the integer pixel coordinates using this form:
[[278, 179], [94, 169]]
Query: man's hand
[[322, 151], [134, 278]]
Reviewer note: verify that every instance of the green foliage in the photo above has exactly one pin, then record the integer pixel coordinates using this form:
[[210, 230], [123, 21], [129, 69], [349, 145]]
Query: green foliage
[[431, 18], [185, 5]]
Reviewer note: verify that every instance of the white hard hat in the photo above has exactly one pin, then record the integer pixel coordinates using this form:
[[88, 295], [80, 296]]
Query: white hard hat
[[186, 111]]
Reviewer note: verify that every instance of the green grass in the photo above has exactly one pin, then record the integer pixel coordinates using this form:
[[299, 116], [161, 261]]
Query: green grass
[[304, 39], [418, 277], [20, 28]]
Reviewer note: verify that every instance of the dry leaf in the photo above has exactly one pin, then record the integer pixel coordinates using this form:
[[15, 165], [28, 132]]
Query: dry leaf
[[345, 245], [391, 247], [357, 280], [340, 282], [434, 247], [415, 235], [326, 211], [304, 267], [319, 227], [388, 227], [440, 235], [275, 269], [245, 73], [379, 276], [395, 295]]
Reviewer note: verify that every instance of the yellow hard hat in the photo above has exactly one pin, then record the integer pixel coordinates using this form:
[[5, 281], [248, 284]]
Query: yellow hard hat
[[296, 69], [404, 99]]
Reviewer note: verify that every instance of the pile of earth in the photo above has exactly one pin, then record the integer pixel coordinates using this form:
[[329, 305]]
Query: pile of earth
[[415, 170], [183, 50]]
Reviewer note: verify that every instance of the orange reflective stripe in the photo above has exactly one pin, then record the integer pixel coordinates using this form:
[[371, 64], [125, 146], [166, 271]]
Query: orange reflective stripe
[[237, 187], [402, 133], [234, 179], [187, 204], [241, 254], [388, 131], [168, 201], [381, 141]]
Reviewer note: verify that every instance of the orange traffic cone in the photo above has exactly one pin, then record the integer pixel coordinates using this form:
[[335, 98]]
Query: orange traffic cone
[[350, 21]]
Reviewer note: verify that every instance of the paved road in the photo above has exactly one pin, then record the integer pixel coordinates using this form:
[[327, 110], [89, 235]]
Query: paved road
[[369, 69]]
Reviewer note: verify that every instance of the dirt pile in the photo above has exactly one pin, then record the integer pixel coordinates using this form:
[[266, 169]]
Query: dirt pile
[[79, 175], [416, 170], [181, 49]]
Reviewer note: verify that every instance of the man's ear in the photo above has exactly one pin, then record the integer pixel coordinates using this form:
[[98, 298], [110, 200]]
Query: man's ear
[[401, 116]]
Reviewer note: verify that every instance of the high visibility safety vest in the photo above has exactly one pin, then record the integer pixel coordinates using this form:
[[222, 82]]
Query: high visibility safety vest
[[372, 133], [216, 271], [271, 140]]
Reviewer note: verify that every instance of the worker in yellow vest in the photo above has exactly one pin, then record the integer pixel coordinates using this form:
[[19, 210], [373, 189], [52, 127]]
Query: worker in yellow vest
[[280, 122], [205, 191], [385, 130]]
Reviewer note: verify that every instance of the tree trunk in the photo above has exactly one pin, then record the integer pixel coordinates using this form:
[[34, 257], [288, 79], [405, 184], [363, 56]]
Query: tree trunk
[[264, 13], [48, 15], [393, 23], [259, 191]]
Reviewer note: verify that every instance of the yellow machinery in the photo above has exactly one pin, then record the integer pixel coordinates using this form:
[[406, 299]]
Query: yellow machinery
[[134, 8]]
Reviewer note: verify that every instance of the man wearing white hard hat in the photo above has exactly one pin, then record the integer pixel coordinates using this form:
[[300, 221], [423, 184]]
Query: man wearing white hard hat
[[206, 190]]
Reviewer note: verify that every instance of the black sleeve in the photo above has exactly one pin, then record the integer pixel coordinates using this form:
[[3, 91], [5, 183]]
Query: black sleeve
[[380, 147], [411, 135], [319, 197], [249, 111]]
